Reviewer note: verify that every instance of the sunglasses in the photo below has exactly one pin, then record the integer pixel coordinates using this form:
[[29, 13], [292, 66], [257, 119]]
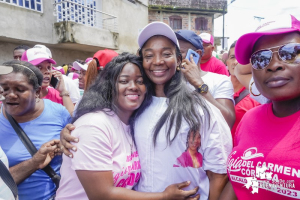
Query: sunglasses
[[288, 53]]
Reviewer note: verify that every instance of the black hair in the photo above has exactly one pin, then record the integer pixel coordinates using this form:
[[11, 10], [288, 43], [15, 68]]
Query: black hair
[[102, 94], [22, 46], [34, 75], [82, 62], [182, 105], [232, 45]]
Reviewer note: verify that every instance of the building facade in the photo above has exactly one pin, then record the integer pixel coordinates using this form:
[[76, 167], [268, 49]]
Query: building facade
[[72, 29], [195, 15]]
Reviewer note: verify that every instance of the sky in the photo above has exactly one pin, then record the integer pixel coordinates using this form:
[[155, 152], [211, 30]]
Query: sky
[[240, 15]]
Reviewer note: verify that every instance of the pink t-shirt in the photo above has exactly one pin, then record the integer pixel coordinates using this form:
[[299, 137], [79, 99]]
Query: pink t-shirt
[[215, 65], [53, 95], [105, 144], [265, 163]]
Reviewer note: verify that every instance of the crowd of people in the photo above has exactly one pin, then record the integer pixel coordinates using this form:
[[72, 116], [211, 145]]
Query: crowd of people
[[157, 124]]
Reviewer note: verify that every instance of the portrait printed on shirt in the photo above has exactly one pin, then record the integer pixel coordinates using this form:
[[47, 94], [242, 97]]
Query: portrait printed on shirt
[[191, 157]]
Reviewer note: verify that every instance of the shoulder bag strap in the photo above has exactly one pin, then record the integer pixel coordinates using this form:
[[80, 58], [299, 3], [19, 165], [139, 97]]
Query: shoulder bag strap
[[242, 95], [8, 179], [31, 148]]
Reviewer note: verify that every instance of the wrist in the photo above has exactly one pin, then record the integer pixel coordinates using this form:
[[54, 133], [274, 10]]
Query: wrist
[[33, 162], [64, 93], [198, 83]]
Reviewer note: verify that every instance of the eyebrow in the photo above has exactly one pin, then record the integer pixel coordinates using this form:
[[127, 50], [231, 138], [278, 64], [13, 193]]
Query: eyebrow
[[164, 48]]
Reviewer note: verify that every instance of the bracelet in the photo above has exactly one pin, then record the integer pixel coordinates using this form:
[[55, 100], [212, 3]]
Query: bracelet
[[64, 94]]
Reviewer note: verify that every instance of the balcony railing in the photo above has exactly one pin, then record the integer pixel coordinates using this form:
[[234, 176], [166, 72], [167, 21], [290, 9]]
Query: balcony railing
[[84, 12]]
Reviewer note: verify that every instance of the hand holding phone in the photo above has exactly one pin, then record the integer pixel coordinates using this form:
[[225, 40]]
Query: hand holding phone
[[54, 82], [196, 56]]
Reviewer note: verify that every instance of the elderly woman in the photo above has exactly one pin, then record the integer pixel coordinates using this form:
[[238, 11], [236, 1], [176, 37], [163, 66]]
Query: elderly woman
[[264, 164], [42, 121]]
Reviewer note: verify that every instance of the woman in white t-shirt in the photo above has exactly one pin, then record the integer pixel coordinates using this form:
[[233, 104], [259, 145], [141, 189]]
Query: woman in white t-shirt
[[162, 129], [106, 164]]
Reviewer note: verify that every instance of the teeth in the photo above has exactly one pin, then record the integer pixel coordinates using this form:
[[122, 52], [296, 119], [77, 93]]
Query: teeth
[[159, 70], [132, 95]]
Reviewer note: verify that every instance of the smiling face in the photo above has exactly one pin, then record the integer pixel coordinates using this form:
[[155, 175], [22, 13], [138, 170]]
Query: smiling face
[[131, 88], [46, 69], [19, 94], [159, 59], [279, 81], [194, 142]]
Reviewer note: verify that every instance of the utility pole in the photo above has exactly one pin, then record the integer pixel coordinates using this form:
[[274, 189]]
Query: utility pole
[[223, 38]]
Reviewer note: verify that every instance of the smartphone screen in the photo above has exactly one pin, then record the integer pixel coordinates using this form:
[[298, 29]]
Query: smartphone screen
[[195, 55], [54, 82]]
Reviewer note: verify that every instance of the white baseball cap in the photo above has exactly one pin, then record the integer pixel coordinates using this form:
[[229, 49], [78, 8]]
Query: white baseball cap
[[156, 28], [79, 66], [36, 56], [207, 38]]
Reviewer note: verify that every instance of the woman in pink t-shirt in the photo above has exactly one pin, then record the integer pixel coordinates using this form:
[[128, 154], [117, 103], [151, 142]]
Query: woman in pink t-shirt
[[264, 164], [106, 164]]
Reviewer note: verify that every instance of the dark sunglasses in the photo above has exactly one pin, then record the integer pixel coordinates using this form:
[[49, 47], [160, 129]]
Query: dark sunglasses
[[288, 53]]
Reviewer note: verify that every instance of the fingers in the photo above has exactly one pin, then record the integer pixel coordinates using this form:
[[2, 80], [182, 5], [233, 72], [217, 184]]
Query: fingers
[[183, 184], [191, 192], [194, 198], [45, 149]]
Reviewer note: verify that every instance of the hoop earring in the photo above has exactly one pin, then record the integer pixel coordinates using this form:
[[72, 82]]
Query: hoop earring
[[256, 95]]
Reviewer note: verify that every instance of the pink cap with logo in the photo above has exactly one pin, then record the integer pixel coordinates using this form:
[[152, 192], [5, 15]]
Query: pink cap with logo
[[36, 56], [156, 28], [244, 45], [207, 38]]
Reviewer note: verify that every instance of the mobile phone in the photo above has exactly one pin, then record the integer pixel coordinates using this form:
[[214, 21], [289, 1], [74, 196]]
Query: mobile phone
[[195, 55], [54, 82]]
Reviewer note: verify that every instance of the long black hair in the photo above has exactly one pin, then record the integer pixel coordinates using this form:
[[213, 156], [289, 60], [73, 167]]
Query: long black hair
[[103, 93], [182, 104]]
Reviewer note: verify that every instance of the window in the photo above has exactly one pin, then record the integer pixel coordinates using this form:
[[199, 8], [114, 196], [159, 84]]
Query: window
[[176, 22], [80, 11], [201, 24], [36, 5]]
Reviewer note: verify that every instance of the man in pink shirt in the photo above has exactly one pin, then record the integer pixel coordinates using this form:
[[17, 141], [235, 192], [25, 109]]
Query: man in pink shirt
[[210, 63]]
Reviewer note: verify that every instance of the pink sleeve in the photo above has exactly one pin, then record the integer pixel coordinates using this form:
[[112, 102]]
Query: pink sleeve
[[94, 149]]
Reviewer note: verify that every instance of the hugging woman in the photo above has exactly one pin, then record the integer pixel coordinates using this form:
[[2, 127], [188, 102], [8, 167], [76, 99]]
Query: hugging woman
[[161, 130]]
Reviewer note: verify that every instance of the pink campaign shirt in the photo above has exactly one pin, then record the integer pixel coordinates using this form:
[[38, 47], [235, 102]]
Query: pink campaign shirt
[[265, 163], [215, 65], [105, 144]]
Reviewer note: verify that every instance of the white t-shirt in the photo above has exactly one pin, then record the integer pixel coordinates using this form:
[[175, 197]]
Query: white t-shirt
[[72, 88], [219, 85], [161, 165], [260, 98], [105, 144], [5, 192]]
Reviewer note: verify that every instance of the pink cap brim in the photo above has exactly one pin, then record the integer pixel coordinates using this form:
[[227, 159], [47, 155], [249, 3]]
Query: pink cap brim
[[244, 45], [40, 60]]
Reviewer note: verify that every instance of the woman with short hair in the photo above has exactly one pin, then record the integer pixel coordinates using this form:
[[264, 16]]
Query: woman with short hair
[[42, 121]]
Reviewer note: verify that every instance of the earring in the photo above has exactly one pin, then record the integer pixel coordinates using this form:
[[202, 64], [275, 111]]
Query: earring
[[178, 68], [256, 95], [37, 99]]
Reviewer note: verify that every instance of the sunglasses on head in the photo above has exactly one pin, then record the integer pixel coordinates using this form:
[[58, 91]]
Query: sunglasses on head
[[288, 53]]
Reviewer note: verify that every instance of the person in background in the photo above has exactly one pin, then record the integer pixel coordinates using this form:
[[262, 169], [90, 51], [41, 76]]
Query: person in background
[[264, 164], [58, 93], [225, 57], [210, 63], [220, 89], [70, 86], [41, 119], [19, 50], [243, 101], [97, 64]]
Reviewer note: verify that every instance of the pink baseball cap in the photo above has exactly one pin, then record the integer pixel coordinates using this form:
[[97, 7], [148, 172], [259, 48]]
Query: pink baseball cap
[[36, 56], [73, 75], [207, 38], [156, 28], [59, 68], [244, 45]]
